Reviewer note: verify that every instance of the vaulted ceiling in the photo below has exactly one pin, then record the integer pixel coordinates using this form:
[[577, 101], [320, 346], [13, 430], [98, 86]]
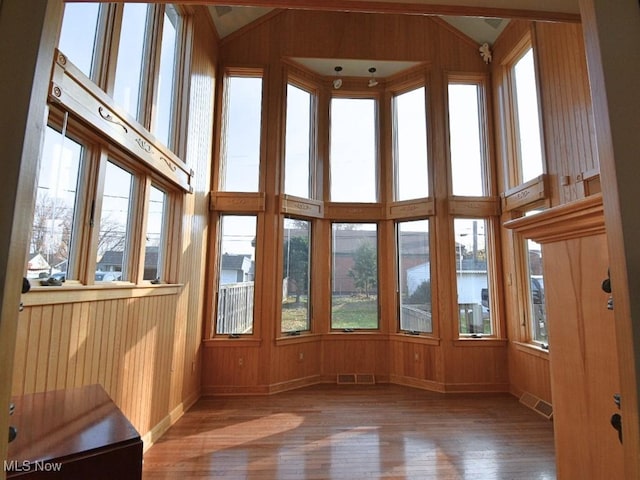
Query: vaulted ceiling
[[480, 20]]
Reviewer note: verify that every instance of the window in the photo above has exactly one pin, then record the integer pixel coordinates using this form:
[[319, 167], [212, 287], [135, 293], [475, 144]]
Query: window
[[52, 234], [156, 233], [537, 308], [354, 265], [166, 76], [236, 270], [472, 277], [410, 145], [115, 225], [296, 275], [527, 117], [130, 63], [297, 174], [240, 151], [353, 150], [78, 34], [414, 276], [465, 142], [145, 40]]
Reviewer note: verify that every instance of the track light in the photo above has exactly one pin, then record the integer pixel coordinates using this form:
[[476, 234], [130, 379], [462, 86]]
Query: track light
[[337, 83], [372, 81]]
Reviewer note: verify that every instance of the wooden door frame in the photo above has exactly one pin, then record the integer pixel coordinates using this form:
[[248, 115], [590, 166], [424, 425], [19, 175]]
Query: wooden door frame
[[27, 40]]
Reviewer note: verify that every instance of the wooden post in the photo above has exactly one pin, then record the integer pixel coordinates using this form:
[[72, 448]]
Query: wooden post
[[612, 35], [27, 39]]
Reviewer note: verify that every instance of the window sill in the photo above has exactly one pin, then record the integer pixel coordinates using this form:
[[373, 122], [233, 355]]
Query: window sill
[[421, 339], [226, 342], [532, 349], [76, 293], [304, 337], [480, 342], [355, 335]]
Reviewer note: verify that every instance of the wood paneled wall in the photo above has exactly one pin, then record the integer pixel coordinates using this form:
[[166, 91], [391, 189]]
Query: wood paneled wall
[[570, 154], [144, 345], [269, 363]]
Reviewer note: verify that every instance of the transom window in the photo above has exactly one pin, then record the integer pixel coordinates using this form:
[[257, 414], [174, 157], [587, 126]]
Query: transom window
[[465, 140], [240, 151], [298, 153], [410, 145], [145, 39], [527, 117], [353, 155]]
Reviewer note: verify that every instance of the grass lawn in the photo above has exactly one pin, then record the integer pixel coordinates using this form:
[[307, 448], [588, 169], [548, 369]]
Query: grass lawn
[[295, 315], [354, 312]]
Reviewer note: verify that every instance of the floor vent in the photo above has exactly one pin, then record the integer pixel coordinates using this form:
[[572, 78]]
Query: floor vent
[[353, 378], [537, 405], [366, 378]]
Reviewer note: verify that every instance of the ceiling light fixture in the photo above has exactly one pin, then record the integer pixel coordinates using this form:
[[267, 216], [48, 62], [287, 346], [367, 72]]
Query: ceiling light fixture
[[372, 81], [337, 83]]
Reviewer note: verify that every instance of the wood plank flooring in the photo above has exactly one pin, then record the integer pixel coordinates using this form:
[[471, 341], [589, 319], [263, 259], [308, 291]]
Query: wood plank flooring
[[356, 432]]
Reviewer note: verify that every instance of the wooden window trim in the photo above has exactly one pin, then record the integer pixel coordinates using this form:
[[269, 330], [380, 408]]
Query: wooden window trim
[[75, 93]]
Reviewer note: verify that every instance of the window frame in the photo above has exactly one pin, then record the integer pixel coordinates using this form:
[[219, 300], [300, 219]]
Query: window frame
[[255, 325], [378, 327], [105, 56], [433, 279], [344, 93], [395, 91], [315, 186], [310, 283], [84, 246], [514, 157], [219, 173], [492, 224], [481, 82]]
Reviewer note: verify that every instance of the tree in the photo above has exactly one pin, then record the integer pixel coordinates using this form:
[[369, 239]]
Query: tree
[[296, 263], [365, 269]]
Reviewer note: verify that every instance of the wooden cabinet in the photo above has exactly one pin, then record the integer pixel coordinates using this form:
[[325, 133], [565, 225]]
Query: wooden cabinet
[[73, 434], [582, 341]]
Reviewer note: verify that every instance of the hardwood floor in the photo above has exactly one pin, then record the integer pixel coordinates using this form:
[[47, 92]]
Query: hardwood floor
[[356, 432]]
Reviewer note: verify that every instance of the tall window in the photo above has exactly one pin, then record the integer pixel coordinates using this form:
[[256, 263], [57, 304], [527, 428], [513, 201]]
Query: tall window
[[296, 275], [78, 35], [472, 277], [161, 127], [54, 215], [240, 151], [527, 117], [354, 265], [410, 145], [537, 308], [236, 265], [156, 233], [297, 178], [465, 142], [115, 226], [414, 276], [128, 82], [353, 150]]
